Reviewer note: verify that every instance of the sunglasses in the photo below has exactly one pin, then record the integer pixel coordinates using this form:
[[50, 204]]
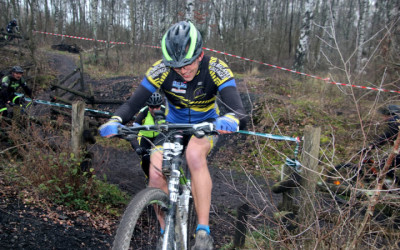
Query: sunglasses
[[154, 107]]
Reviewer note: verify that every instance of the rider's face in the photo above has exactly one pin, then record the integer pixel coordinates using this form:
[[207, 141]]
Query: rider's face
[[17, 75], [154, 108], [188, 72]]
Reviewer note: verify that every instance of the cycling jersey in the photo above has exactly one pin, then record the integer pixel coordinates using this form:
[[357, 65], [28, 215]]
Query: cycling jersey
[[145, 118], [188, 102], [10, 26]]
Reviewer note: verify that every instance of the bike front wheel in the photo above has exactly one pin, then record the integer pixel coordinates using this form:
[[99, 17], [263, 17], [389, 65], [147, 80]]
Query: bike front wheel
[[139, 227]]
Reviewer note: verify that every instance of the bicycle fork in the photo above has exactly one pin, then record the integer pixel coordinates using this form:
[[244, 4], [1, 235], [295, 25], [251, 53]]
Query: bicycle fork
[[171, 168], [184, 212]]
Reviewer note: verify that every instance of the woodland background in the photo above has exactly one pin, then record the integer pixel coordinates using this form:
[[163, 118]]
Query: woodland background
[[340, 38], [354, 42]]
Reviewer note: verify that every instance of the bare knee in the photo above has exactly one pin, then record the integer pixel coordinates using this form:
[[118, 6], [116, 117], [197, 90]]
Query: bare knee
[[156, 178]]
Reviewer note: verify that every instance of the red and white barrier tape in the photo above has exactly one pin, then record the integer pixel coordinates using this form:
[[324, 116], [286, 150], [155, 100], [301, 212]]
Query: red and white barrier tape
[[327, 80], [304, 74], [77, 37]]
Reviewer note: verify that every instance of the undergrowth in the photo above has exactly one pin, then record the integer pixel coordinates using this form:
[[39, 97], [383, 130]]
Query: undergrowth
[[38, 156]]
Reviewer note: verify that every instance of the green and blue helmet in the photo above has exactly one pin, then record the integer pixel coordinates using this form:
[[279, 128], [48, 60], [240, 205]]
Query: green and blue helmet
[[181, 45]]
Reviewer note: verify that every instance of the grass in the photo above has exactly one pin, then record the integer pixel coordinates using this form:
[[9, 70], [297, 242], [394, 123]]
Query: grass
[[46, 166]]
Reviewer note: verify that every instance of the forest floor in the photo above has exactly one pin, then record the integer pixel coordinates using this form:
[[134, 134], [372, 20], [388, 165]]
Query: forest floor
[[27, 225]]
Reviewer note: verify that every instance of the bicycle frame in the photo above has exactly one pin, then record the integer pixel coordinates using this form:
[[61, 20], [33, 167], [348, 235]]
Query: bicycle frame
[[177, 213], [171, 167]]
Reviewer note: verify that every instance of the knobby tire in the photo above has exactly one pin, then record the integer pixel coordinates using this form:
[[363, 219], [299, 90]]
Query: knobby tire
[[139, 227]]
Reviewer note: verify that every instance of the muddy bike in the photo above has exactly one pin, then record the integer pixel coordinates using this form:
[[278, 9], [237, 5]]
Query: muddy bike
[[139, 227]]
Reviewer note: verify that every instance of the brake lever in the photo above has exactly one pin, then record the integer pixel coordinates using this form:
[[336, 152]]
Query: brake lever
[[199, 133]]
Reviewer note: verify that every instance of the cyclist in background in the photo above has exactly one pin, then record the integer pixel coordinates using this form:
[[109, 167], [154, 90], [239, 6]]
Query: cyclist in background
[[9, 85], [145, 139], [191, 82], [11, 28]]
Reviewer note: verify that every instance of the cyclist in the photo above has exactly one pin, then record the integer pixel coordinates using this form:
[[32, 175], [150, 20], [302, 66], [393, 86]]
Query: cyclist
[[146, 116], [10, 29], [190, 81], [9, 85]]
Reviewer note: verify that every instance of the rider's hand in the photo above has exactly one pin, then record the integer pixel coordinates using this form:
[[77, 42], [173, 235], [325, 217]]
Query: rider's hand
[[140, 151], [227, 123], [110, 128]]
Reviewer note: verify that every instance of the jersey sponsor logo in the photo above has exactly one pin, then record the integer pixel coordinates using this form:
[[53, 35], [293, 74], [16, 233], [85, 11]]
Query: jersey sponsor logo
[[199, 92], [178, 91], [220, 70], [157, 70], [179, 87], [14, 85]]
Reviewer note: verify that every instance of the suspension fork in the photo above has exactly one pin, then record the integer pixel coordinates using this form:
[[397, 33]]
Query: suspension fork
[[171, 168]]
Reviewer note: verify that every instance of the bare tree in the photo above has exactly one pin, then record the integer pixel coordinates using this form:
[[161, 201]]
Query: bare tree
[[189, 10], [132, 18], [363, 6], [302, 47], [95, 19], [56, 4], [82, 15], [15, 9], [110, 29]]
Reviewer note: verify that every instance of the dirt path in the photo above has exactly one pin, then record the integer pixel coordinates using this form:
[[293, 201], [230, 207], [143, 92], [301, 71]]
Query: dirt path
[[23, 226]]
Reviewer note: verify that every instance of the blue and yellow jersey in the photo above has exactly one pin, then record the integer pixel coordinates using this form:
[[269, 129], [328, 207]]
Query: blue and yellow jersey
[[194, 101], [188, 102]]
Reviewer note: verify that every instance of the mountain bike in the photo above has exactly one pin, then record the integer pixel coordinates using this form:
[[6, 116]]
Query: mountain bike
[[139, 227]]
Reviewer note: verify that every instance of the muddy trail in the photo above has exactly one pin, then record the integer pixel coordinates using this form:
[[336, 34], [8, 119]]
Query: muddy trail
[[30, 227]]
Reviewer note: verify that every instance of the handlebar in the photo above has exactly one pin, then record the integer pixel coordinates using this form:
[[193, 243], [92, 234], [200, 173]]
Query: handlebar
[[199, 130]]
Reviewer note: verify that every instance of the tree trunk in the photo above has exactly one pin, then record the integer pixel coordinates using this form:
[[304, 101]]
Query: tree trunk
[[302, 47], [74, 15], [56, 15], [46, 16], [95, 19], [321, 31], [15, 10], [63, 15], [109, 30], [189, 16], [361, 38], [132, 18], [82, 15]]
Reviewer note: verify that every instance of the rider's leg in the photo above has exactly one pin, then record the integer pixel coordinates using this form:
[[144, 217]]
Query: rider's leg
[[157, 180], [145, 143], [196, 156]]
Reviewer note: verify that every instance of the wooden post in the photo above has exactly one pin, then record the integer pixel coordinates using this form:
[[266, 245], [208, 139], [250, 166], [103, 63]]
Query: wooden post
[[241, 229], [78, 115], [310, 177], [82, 80], [287, 197]]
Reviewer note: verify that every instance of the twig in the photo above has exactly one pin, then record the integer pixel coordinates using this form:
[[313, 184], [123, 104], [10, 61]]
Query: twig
[[375, 197]]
